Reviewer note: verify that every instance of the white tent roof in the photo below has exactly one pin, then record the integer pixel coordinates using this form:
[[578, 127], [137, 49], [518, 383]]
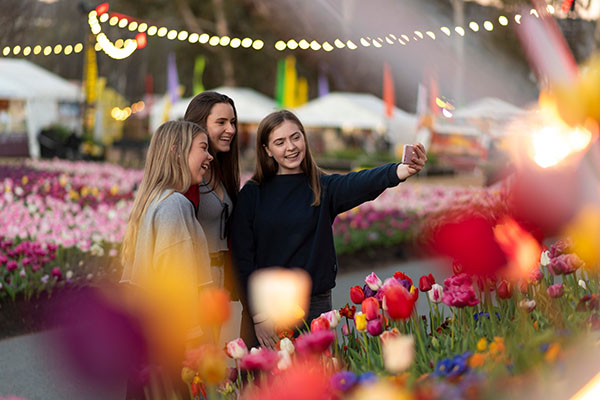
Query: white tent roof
[[251, 106], [24, 80], [357, 110], [489, 107]]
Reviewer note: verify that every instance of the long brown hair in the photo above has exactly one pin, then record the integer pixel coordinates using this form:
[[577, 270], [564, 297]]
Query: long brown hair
[[266, 167], [225, 165], [166, 169]]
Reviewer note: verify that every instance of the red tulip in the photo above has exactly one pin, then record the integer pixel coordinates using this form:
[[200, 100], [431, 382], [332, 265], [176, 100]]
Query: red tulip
[[504, 290], [426, 282], [400, 302], [357, 295], [402, 276], [370, 307], [523, 287], [319, 324]]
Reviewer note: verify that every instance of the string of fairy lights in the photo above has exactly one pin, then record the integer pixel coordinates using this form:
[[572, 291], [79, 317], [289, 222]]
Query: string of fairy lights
[[123, 48]]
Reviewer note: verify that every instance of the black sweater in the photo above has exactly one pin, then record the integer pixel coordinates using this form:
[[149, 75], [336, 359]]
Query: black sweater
[[274, 223]]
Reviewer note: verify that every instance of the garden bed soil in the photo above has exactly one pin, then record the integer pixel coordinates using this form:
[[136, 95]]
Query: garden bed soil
[[23, 316]]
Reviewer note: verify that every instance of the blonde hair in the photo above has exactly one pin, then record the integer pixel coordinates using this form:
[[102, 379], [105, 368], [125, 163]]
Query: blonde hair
[[266, 167], [166, 168]]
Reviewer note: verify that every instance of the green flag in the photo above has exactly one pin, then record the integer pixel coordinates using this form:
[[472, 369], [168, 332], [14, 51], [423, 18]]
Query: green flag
[[280, 82], [199, 65]]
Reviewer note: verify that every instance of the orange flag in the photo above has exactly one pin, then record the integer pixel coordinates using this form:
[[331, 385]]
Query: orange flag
[[388, 90]]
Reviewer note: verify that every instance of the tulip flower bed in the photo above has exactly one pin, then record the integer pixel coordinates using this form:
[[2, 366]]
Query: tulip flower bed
[[399, 214], [58, 216], [481, 338], [60, 224]]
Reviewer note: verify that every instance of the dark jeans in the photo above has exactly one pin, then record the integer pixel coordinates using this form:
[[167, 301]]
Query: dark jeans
[[319, 303]]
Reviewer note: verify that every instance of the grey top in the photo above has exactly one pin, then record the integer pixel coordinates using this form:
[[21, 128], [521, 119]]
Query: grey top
[[212, 217], [171, 249]]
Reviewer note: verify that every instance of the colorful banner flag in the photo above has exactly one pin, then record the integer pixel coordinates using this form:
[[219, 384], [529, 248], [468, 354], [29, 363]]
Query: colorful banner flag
[[388, 90], [280, 82], [323, 83], [302, 92], [199, 65], [290, 93], [91, 74], [172, 78]]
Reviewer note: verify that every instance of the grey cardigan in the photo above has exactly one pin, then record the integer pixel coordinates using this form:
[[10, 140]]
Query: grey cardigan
[[170, 243]]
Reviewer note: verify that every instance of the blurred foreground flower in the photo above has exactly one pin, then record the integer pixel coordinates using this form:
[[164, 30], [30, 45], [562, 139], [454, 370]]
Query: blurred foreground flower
[[262, 360], [307, 380], [214, 307], [280, 295], [398, 353]]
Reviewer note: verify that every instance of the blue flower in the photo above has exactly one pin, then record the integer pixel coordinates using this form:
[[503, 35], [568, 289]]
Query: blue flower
[[343, 380], [367, 378], [452, 367]]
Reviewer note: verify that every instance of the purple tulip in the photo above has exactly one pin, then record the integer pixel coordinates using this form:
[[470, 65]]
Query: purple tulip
[[11, 265], [374, 327]]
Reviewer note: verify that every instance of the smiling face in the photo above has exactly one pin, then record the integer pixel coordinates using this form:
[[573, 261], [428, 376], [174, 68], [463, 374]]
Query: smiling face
[[220, 125], [199, 158], [287, 147]]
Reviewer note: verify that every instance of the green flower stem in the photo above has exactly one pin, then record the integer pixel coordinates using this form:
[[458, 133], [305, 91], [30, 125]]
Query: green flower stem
[[364, 335], [430, 313], [421, 344]]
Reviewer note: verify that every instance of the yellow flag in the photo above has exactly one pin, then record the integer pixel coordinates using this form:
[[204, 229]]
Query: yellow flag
[[290, 83], [91, 74], [302, 91]]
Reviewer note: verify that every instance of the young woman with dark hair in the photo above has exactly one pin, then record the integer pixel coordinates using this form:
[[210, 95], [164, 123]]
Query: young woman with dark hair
[[216, 196]]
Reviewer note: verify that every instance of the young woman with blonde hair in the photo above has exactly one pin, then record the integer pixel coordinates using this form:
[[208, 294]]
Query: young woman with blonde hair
[[285, 213], [164, 252]]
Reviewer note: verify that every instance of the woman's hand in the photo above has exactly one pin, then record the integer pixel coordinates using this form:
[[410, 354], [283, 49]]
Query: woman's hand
[[418, 162], [265, 334]]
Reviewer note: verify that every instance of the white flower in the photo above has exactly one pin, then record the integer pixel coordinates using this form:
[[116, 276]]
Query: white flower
[[398, 353], [582, 284], [89, 277], [285, 360], [69, 274], [545, 258], [435, 293], [19, 191], [97, 250], [528, 305], [254, 350], [286, 345]]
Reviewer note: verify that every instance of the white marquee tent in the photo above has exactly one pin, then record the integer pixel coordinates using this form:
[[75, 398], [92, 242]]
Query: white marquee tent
[[358, 111], [251, 106], [41, 90]]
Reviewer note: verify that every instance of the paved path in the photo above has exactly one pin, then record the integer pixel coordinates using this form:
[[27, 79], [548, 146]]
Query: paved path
[[29, 367]]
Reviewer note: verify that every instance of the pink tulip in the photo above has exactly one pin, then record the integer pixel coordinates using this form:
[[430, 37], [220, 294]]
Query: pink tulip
[[556, 290], [237, 349]]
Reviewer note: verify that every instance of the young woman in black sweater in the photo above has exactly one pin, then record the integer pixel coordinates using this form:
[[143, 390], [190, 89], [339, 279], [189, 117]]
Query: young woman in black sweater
[[285, 213]]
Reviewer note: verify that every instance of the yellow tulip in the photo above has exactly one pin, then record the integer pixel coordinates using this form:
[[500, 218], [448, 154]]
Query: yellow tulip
[[360, 320]]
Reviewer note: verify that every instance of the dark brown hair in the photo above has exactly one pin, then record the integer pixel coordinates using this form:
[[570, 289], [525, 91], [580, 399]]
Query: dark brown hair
[[266, 167], [226, 165]]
